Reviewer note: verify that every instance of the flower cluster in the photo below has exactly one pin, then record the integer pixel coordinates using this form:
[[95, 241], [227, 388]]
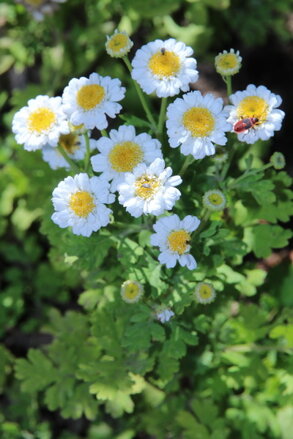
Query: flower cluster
[[131, 163]]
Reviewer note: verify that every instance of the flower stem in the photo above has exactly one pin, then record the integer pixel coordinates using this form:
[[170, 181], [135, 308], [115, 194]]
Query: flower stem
[[162, 116], [141, 97], [228, 81], [88, 151], [73, 165], [189, 159]]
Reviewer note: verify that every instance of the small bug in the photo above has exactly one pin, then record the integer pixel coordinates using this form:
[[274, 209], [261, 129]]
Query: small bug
[[245, 124], [163, 51]]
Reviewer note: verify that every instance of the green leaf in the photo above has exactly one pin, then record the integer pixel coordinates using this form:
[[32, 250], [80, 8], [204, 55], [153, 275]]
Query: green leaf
[[261, 239]]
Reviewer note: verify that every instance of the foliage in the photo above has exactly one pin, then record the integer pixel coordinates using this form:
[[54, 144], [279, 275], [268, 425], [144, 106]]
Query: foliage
[[69, 344]]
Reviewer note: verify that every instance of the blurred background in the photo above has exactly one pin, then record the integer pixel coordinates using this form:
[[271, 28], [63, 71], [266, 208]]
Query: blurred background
[[43, 44]]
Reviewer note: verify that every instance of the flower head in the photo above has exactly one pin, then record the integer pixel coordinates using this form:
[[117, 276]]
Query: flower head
[[204, 293], [164, 67], [122, 151], [228, 63], [149, 189], [40, 8], [88, 100], [278, 160], [214, 200], [79, 202], [131, 291], [261, 105], [173, 238], [197, 123], [73, 144], [40, 123], [118, 44], [164, 315]]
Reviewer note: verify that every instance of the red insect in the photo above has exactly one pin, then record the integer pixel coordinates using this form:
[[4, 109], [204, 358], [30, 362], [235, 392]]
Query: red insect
[[245, 124]]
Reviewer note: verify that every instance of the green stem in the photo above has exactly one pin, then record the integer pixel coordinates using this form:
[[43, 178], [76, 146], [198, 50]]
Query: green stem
[[72, 164], [141, 97], [205, 216], [189, 159], [228, 81], [104, 133], [88, 151], [162, 116], [252, 172]]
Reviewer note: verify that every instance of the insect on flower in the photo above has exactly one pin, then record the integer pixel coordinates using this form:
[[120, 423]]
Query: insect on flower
[[163, 51], [245, 124]]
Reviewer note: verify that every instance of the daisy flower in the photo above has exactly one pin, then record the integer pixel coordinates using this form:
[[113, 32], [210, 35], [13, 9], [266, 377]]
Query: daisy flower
[[149, 189], [164, 315], [119, 44], [73, 144], [88, 100], [164, 67], [259, 103], [204, 293], [40, 123], [173, 237], [79, 202], [278, 160], [122, 151], [197, 123], [214, 200], [40, 8], [228, 63], [131, 291]]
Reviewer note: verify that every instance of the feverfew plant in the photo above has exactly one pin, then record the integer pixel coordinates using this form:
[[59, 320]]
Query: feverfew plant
[[153, 231]]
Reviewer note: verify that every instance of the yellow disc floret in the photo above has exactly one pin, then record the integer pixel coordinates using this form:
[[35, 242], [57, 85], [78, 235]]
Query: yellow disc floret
[[69, 142], [125, 156], [41, 119], [82, 203], [253, 106], [146, 186], [164, 64], [34, 3], [199, 121], [89, 96], [227, 61], [178, 241], [215, 198], [131, 291], [205, 290]]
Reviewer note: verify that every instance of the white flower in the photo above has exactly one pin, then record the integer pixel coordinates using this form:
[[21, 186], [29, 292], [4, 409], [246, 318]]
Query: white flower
[[79, 203], [40, 123], [88, 100], [259, 103], [173, 237], [119, 44], [197, 123], [40, 8], [164, 67], [204, 293], [228, 63], [149, 189], [214, 200], [164, 315], [122, 151], [131, 291], [73, 144]]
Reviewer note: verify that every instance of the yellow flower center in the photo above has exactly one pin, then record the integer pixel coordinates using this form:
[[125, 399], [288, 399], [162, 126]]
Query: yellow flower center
[[146, 186], [117, 42], [178, 241], [227, 61], [82, 203], [215, 199], [205, 291], [199, 121], [125, 156], [89, 96], [69, 142], [164, 64], [41, 119], [131, 291], [253, 106], [35, 3]]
